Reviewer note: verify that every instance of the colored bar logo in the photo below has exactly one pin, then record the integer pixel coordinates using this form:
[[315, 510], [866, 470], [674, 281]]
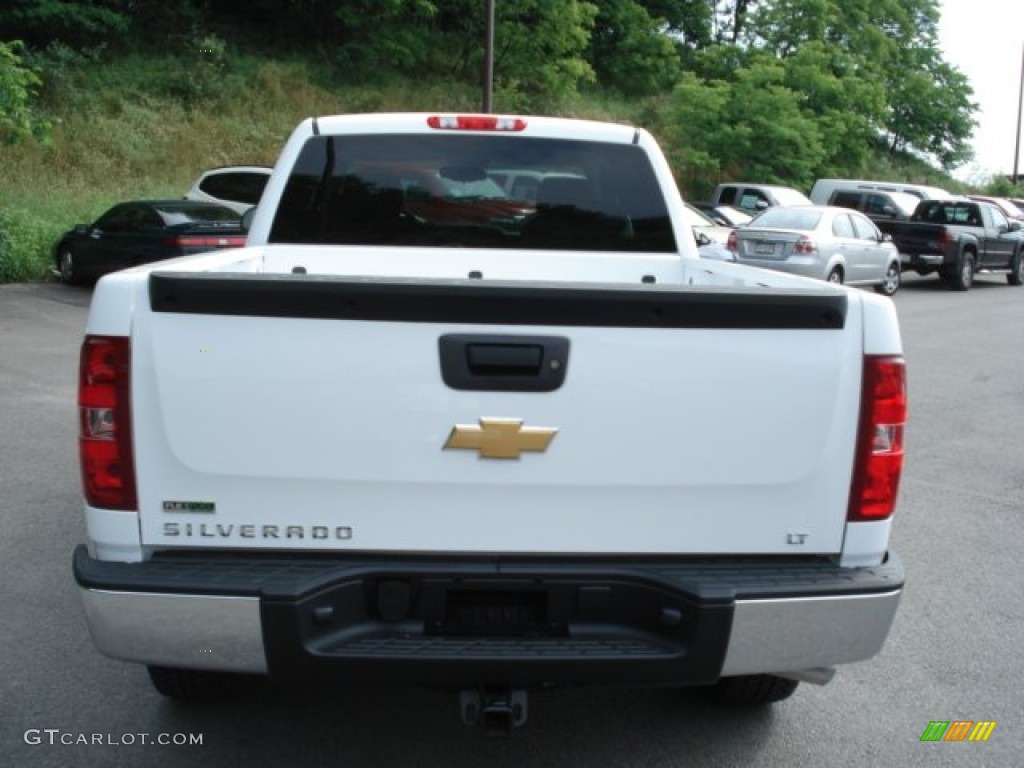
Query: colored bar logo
[[958, 730]]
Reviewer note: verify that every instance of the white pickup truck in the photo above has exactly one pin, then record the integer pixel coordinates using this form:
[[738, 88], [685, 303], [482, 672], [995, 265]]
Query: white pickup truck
[[425, 431]]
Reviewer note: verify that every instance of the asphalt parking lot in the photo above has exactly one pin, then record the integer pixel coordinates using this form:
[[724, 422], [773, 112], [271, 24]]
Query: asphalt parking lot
[[955, 652]]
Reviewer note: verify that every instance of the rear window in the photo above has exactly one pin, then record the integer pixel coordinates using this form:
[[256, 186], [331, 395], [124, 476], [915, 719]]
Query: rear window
[[201, 213], [237, 186], [947, 213], [446, 190], [788, 218]]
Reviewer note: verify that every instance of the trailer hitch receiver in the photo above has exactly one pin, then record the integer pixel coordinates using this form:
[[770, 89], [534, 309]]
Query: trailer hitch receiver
[[496, 711]]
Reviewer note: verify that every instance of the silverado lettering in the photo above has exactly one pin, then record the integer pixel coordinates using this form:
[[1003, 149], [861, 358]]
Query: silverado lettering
[[252, 531]]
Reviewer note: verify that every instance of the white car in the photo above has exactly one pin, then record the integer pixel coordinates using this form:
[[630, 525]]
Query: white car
[[237, 186], [820, 241]]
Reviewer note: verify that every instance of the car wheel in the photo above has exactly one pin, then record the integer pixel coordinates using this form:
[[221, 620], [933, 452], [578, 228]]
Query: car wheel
[[962, 277], [891, 282], [66, 266], [751, 690], [1016, 276], [835, 276], [193, 684]]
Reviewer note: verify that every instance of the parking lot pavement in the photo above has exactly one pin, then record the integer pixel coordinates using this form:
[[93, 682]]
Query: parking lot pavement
[[954, 653]]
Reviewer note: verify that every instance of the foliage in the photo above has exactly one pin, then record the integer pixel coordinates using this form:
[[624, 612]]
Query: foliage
[[1000, 186], [628, 50], [79, 24], [25, 240], [18, 84]]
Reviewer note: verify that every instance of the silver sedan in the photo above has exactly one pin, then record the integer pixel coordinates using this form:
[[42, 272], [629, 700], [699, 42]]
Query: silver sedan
[[820, 241]]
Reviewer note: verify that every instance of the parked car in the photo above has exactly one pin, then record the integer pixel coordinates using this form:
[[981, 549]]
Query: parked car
[[823, 189], [957, 238], [876, 204], [1007, 206], [238, 187], [712, 238], [825, 242], [757, 197], [701, 222], [723, 215], [142, 231]]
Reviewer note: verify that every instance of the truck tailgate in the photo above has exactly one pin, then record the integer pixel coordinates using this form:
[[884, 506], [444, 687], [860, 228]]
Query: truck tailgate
[[313, 414]]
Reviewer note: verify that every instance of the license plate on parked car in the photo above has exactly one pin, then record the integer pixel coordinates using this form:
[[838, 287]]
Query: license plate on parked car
[[768, 248]]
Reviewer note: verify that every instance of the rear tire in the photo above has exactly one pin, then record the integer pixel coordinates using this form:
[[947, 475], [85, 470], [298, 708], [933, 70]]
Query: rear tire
[[751, 690], [194, 685], [891, 282], [1016, 276], [835, 276], [961, 278]]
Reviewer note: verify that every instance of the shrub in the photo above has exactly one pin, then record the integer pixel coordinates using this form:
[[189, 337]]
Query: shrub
[[25, 243]]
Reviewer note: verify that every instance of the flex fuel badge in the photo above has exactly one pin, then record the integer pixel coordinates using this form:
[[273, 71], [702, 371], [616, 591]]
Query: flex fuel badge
[[191, 507]]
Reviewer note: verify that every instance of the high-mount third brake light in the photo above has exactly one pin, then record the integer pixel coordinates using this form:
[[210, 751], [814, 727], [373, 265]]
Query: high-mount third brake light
[[105, 430], [879, 457], [476, 123]]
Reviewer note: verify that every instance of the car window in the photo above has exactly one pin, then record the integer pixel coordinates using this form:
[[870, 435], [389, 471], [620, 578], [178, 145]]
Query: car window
[[750, 199], [841, 226], [239, 186], [863, 228], [143, 217], [879, 205], [117, 219], [846, 199], [727, 196], [696, 218], [181, 213], [998, 219], [428, 189]]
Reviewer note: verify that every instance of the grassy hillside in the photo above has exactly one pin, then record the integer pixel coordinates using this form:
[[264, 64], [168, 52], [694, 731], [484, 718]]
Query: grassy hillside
[[145, 126]]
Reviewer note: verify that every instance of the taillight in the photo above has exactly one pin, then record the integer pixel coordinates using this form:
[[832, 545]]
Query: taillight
[[196, 241], [732, 244], [476, 123], [804, 246], [879, 458], [105, 430]]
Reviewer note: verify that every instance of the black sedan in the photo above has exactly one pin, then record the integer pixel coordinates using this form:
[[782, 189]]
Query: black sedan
[[142, 231]]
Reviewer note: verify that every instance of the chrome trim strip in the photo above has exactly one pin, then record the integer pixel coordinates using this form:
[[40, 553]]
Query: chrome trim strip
[[190, 631], [788, 634]]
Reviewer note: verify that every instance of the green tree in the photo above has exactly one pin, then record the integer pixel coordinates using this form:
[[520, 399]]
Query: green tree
[[79, 24], [18, 86], [752, 128], [887, 44], [630, 51], [539, 44]]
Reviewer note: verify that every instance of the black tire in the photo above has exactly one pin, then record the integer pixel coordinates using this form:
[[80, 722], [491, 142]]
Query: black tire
[[194, 685], [891, 282], [835, 276], [66, 266], [961, 278], [751, 690], [1016, 275]]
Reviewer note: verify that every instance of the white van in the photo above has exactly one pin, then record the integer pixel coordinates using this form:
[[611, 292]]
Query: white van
[[823, 189]]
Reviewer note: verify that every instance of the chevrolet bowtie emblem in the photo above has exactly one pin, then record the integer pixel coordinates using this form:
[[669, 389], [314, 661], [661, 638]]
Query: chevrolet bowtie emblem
[[499, 438]]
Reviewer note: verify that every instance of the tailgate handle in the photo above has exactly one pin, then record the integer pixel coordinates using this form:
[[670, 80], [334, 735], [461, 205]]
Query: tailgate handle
[[504, 359], [502, 363]]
